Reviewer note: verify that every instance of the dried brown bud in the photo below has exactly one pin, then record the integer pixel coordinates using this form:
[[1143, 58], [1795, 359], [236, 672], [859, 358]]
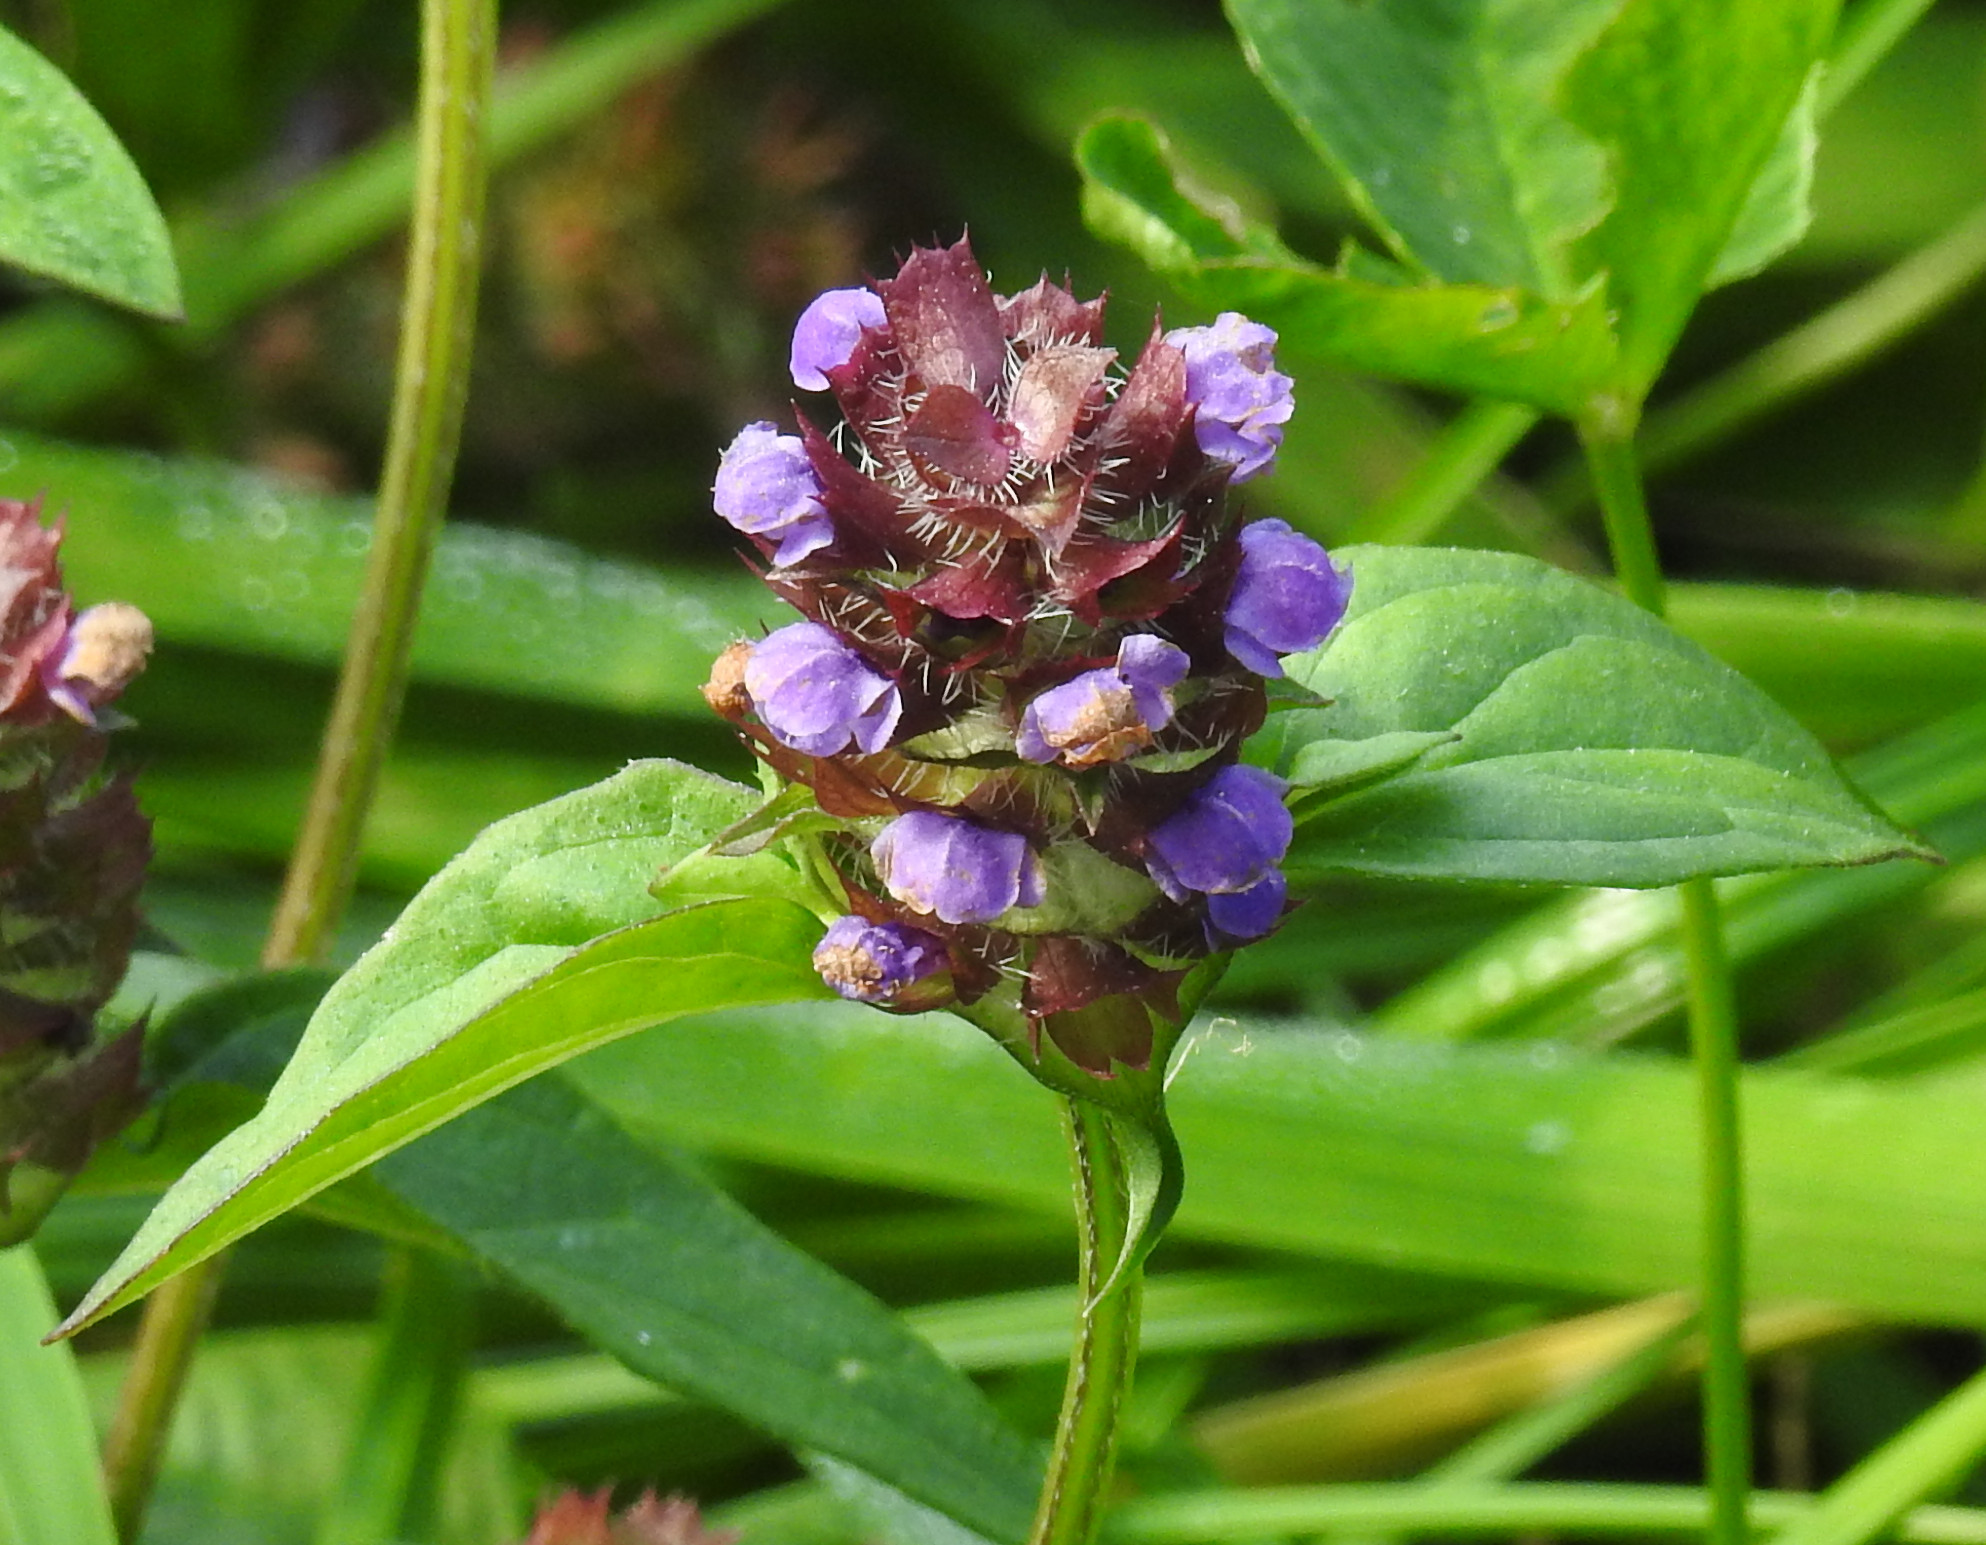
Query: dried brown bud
[[725, 691]]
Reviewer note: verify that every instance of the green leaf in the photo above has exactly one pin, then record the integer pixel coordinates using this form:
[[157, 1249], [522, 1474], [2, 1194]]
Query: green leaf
[[1593, 745], [1440, 116], [1689, 101], [1499, 341], [72, 206], [535, 944], [1779, 207], [657, 1266], [1475, 1161], [51, 1482]]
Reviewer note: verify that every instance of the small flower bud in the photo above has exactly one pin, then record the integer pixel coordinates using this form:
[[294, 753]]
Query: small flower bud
[[873, 962], [105, 649], [1228, 837], [825, 336], [956, 868], [1241, 400], [1105, 715], [766, 487], [1288, 595], [816, 694], [725, 691]]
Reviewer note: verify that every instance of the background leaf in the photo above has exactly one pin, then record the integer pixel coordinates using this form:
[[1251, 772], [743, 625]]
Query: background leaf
[[660, 1268], [504, 965], [51, 1484], [1593, 746], [1689, 112], [72, 206], [1521, 1164], [1441, 117], [1475, 338]]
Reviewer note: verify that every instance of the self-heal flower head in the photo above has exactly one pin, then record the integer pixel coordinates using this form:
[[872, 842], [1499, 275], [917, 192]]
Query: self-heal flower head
[[955, 868], [766, 487], [1240, 400], [815, 694], [1226, 839], [873, 962], [1288, 595], [825, 336], [1109, 714]]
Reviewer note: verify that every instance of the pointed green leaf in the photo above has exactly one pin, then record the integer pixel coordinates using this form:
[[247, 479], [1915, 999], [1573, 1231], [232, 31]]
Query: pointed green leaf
[[1689, 100], [1498, 341], [536, 944], [1593, 745], [72, 206], [1441, 118], [654, 1264]]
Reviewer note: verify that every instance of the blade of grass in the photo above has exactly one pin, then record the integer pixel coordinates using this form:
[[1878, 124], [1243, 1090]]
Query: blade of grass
[[50, 1486], [1660, 1512], [1928, 1457]]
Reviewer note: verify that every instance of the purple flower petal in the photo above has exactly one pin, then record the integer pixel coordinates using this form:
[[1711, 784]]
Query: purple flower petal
[[825, 336], [816, 694], [766, 487], [1105, 715], [1228, 836], [1288, 595], [955, 868], [1241, 400], [1247, 914], [873, 962]]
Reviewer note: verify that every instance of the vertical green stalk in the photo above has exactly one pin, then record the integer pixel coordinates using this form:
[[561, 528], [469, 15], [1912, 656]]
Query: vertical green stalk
[[430, 385], [1713, 1024], [1079, 1465]]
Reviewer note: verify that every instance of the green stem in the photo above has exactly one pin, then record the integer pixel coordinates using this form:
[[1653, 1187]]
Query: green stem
[[1472, 446], [430, 384], [1863, 40], [1079, 1465], [1609, 446]]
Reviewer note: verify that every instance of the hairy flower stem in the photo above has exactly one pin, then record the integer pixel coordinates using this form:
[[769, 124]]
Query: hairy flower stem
[[1079, 1466], [1713, 1024], [431, 380]]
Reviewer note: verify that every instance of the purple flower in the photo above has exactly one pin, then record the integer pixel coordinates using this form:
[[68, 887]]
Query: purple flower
[[873, 962], [1108, 714], [1225, 840], [816, 694], [1288, 595], [766, 487], [1241, 400], [827, 332], [962, 871], [1247, 914]]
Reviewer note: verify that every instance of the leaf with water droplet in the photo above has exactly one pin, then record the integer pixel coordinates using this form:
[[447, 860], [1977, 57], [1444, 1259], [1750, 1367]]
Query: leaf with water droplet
[[73, 207]]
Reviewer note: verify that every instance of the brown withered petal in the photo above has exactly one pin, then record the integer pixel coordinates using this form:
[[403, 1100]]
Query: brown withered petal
[[725, 691], [1054, 389]]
